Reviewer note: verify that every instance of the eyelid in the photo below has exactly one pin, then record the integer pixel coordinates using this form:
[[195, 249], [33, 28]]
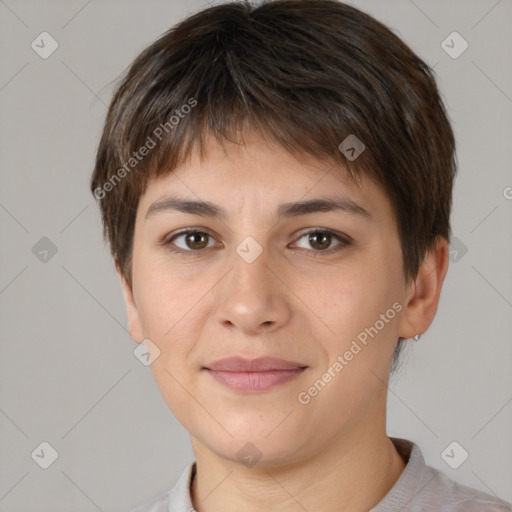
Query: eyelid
[[338, 234], [194, 229], [166, 241], [344, 240]]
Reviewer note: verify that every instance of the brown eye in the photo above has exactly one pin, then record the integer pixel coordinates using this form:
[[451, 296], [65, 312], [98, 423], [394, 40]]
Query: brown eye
[[196, 240], [320, 240], [190, 241]]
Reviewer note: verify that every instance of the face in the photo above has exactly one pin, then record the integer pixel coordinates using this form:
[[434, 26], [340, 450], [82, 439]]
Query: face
[[320, 288]]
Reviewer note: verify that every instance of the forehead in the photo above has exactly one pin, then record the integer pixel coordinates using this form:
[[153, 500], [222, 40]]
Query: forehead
[[257, 174]]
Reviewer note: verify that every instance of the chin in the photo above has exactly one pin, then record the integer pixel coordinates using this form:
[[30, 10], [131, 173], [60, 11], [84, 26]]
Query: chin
[[250, 446]]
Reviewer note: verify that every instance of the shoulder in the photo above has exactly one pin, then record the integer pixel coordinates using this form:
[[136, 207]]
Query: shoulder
[[175, 500], [446, 495], [422, 488], [159, 503]]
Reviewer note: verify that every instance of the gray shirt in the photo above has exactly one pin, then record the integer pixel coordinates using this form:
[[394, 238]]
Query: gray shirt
[[419, 488]]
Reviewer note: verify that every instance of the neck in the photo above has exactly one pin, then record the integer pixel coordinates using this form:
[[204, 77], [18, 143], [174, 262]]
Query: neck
[[353, 474]]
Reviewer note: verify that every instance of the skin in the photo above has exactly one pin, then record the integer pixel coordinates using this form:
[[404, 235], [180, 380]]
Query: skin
[[295, 301]]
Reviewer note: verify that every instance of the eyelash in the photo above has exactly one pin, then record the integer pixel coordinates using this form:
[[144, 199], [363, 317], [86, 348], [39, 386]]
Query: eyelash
[[344, 241]]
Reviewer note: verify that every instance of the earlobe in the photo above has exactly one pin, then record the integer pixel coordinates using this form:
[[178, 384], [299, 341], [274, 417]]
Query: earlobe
[[134, 324], [425, 291]]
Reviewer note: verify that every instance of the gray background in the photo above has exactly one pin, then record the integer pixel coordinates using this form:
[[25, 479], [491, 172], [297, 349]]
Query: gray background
[[68, 375]]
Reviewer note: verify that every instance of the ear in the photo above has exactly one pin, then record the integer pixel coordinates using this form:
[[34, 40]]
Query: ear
[[134, 323], [424, 291]]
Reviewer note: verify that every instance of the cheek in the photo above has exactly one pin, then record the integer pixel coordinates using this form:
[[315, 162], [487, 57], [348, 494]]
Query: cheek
[[352, 305], [163, 295], [166, 310]]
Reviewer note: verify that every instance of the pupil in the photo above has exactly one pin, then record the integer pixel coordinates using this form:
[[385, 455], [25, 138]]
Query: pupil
[[195, 239], [325, 237]]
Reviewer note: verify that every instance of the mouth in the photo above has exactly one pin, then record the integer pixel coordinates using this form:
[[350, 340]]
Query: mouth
[[254, 375]]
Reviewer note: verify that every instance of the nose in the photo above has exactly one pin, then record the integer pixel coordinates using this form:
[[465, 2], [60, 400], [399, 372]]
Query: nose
[[253, 297]]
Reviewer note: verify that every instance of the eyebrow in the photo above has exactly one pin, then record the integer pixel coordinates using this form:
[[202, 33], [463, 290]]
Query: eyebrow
[[285, 210]]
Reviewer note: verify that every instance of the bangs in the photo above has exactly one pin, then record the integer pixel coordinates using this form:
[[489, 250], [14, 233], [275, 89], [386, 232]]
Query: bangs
[[305, 75]]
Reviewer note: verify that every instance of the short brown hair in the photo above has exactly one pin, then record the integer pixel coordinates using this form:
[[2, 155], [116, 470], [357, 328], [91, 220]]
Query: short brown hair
[[303, 73]]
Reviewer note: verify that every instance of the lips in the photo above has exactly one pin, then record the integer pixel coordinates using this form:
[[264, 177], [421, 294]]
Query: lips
[[261, 364], [254, 375]]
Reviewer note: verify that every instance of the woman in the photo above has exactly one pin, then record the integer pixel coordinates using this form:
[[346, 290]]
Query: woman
[[275, 183]]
